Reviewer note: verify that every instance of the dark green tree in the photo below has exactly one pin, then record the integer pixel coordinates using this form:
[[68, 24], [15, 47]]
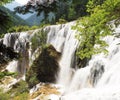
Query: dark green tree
[[62, 9], [5, 20]]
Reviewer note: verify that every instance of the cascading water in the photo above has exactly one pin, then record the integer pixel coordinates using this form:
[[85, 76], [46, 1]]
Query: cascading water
[[63, 39], [99, 80], [19, 42]]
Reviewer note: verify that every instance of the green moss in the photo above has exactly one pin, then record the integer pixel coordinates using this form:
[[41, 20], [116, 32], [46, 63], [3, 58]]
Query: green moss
[[19, 91], [4, 96]]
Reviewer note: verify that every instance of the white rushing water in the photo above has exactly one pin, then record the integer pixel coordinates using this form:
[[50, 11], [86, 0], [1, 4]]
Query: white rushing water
[[99, 80], [19, 42], [63, 39]]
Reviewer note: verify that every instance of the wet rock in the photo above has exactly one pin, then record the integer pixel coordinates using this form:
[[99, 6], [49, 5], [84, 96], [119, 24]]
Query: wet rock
[[96, 72], [6, 54], [44, 91], [45, 67]]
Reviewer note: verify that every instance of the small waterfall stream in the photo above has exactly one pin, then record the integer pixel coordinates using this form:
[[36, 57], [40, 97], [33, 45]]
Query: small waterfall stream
[[64, 41], [19, 42], [99, 80]]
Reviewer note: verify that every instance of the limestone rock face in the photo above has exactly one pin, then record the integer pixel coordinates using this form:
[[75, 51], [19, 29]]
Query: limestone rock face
[[6, 54], [45, 67]]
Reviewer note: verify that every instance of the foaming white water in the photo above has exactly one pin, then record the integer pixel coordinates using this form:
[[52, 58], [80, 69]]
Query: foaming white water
[[106, 87], [99, 80], [94, 94], [62, 37], [12, 66], [19, 42], [56, 36]]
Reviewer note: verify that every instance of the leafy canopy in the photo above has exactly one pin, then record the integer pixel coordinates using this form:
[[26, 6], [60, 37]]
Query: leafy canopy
[[62, 9], [91, 29]]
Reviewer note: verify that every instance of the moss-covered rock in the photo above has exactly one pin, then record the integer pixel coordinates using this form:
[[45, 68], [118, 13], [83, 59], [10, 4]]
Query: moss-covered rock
[[45, 67]]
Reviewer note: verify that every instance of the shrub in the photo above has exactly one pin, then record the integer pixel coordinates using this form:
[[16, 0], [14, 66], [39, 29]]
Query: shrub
[[22, 28], [61, 21], [91, 29], [4, 96], [18, 29], [19, 91], [39, 39], [5, 73], [23, 96]]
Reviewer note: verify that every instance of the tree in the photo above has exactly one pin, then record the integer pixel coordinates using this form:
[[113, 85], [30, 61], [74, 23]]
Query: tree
[[5, 20], [38, 6], [62, 9], [91, 29]]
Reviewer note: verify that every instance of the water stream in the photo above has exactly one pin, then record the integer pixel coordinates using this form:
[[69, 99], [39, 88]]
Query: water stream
[[99, 80]]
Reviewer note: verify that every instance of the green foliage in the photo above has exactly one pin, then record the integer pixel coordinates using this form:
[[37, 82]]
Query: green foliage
[[2, 2], [3, 74], [92, 4], [4, 96], [22, 28], [1, 35], [72, 13], [62, 9], [18, 29], [8, 19], [39, 39], [23, 96], [91, 29], [31, 77], [34, 27], [61, 21], [5, 21], [19, 91]]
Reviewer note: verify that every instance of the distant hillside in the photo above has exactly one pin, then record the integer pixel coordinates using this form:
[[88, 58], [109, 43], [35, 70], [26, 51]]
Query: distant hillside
[[15, 19], [14, 4], [34, 20]]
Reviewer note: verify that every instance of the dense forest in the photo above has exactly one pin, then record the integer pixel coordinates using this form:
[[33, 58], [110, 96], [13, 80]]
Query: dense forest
[[93, 19]]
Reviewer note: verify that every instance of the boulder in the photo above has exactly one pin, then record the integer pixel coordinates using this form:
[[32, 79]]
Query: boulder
[[45, 67]]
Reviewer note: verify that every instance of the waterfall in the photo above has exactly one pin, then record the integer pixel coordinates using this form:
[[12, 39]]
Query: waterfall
[[99, 80], [62, 37], [19, 42]]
